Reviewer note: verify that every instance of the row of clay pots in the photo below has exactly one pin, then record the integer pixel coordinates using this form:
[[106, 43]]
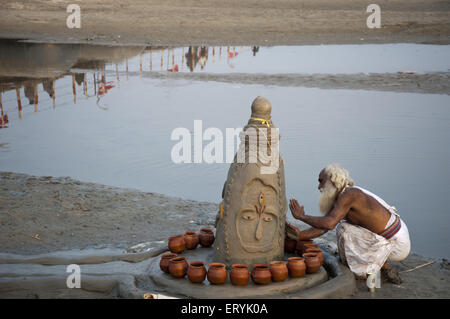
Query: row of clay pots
[[190, 240], [196, 271], [240, 275]]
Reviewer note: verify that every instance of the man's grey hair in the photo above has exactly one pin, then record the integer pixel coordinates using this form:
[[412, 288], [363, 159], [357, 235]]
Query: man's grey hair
[[338, 176]]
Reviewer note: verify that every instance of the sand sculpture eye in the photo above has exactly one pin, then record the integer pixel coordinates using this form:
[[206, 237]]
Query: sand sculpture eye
[[267, 219], [248, 216]]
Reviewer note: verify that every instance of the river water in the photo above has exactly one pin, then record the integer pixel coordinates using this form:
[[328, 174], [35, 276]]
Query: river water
[[114, 110]]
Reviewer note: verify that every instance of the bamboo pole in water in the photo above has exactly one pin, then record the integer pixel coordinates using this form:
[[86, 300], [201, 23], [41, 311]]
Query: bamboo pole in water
[[103, 83], [85, 85], [36, 97], [127, 68], [1, 107], [151, 54], [182, 59], [19, 102], [53, 92], [162, 62], [168, 56], [117, 76], [173, 58], [140, 62], [95, 84], [74, 91]]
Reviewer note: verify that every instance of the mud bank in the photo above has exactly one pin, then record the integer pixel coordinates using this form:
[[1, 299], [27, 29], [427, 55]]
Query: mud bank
[[431, 83], [249, 22], [43, 215]]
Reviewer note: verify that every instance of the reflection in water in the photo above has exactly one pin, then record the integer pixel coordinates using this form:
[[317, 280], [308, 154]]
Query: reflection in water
[[4, 117], [192, 58], [255, 49], [27, 65]]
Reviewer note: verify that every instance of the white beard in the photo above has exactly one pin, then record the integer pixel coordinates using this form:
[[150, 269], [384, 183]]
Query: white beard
[[327, 197]]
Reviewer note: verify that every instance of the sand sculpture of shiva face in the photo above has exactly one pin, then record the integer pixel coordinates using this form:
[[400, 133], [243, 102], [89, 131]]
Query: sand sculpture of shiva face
[[250, 223]]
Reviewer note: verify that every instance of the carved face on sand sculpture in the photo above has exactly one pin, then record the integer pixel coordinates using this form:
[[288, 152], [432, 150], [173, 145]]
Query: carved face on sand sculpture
[[251, 221], [257, 221]]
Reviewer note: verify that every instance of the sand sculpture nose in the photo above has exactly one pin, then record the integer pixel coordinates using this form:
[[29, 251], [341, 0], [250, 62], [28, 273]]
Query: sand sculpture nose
[[259, 230]]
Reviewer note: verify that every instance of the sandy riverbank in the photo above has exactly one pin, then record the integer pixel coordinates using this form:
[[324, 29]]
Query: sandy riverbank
[[236, 22], [47, 214]]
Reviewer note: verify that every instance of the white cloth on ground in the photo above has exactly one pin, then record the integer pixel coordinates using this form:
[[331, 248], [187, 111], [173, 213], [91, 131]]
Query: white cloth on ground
[[366, 252]]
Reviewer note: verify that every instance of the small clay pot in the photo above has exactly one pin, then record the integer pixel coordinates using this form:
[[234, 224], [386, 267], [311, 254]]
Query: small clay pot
[[296, 267], [217, 273], [308, 246], [178, 267], [191, 239], [177, 244], [239, 274], [196, 272], [317, 251], [300, 245], [312, 262], [206, 237], [164, 262], [261, 274], [290, 245], [279, 270]]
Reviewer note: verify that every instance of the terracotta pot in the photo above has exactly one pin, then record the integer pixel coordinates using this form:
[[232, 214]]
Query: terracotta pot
[[261, 274], [239, 274], [279, 270], [290, 245], [206, 237], [191, 239], [300, 245], [196, 271], [317, 251], [217, 273], [178, 267], [308, 246], [312, 262], [296, 267], [164, 262], [177, 244]]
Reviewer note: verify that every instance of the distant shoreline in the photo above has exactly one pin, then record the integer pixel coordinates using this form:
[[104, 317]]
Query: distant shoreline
[[205, 22]]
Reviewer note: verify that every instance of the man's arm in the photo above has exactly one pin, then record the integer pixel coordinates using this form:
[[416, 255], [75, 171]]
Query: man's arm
[[311, 233], [327, 222], [295, 233]]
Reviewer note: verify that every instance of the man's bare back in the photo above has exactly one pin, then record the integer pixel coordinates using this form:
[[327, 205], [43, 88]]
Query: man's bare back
[[364, 211]]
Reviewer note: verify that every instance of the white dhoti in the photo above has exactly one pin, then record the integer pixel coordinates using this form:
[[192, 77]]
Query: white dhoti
[[366, 252]]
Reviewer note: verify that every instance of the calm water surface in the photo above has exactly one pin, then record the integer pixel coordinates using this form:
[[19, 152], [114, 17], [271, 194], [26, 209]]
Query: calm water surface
[[110, 126]]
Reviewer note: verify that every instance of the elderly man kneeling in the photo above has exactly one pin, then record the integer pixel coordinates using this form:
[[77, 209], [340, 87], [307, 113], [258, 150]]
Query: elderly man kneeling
[[369, 231]]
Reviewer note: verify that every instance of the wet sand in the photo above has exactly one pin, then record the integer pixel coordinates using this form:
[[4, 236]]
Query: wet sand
[[430, 83], [236, 22], [48, 214]]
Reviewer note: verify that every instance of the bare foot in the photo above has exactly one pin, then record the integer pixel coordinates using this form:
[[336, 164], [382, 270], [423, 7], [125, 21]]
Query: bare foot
[[362, 277], [392, 275]]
